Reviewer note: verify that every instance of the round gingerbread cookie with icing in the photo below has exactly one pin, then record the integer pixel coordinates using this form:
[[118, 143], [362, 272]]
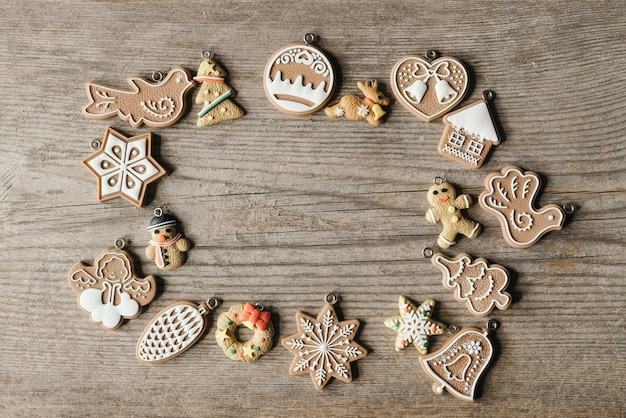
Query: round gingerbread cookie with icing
[[299, 78]]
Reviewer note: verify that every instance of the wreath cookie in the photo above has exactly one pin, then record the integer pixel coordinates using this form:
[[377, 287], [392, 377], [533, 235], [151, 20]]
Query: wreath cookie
[[255, 319]]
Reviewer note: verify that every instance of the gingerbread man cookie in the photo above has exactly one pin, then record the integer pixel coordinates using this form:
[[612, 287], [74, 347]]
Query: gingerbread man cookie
[[510, 197], [446, 208]]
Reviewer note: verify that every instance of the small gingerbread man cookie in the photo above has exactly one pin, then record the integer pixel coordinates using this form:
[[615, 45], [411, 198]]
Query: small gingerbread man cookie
[[446, 208]]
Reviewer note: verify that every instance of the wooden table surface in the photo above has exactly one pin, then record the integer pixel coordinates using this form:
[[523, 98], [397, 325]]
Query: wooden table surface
[[283, 210]]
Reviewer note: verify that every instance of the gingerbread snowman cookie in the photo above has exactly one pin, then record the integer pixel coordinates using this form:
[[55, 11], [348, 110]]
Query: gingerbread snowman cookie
[[446, 208], [167, 247]]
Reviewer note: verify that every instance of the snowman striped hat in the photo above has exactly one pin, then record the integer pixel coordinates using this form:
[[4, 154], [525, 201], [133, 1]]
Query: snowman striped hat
[[161, 221]]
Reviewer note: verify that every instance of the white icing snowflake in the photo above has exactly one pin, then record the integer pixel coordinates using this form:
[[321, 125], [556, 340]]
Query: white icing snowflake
[[324, 347], [124, 166], [473, 347], [414, 325], [339, 112], [363, 111]]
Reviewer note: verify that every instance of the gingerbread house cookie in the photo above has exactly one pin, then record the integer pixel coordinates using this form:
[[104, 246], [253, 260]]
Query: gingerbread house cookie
[[469, 134]]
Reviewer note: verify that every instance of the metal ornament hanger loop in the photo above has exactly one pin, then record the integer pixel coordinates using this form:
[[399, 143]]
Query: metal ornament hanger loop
[[157, 76], [331, 298], [120, 243], [310, 38], [438, 180], [489, 95], [428, 252], [569, 208], [95, 144], [158, 212], [206, 55], [431, 54]]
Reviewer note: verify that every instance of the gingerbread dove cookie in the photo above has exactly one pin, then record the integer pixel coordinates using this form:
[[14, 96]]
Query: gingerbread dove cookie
[[157, 104], [510, 197]]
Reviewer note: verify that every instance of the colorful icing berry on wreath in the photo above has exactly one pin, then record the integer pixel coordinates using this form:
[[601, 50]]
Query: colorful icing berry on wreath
[[252, 317], [167, 247], [214, 94], [446, 208], [368, 108]]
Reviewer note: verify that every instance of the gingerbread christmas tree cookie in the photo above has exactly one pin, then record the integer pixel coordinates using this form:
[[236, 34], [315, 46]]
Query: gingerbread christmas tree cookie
[[476, 282], [214, 95]]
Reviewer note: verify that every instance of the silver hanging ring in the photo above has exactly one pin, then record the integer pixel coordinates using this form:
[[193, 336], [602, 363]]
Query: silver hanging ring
[[452, 329], [431, 54], [569, 208], [120, 243], [309, 38], [489, 95], [157, 76], [95, 144], [212, 303], [158, 212], [492, 325], [428, 252], [438, 180], [331, 298], [206, 55], [259, 306]]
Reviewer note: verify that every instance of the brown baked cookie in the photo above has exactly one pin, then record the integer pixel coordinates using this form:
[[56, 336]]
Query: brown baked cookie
[[446, 208], [368, 108], [299, 79], [109, 290], [510, 196], [215, 95], [476, 282], [429, 88], [157, 104]]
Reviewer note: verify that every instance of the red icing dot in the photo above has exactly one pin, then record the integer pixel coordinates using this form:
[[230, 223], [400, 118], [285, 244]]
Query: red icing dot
[[262, 340], [403, 342], [406, 309], [234, 315], [241, 354]]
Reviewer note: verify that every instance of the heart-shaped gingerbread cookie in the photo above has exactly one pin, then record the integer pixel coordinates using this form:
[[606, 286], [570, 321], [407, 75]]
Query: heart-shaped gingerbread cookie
[[429, 89]]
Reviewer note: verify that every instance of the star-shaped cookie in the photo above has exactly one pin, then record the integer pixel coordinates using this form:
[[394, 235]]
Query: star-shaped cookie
[[414, 325], [124, 166], [324, 347]]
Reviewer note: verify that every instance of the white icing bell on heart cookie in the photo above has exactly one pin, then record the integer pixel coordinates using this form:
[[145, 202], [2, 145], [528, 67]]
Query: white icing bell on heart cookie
[[299, 78]]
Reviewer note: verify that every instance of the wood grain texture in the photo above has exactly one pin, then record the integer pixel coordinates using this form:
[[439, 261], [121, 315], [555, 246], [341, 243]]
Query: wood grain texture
[[283, 210]]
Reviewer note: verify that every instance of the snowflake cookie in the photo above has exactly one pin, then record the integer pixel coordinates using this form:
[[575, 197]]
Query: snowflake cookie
[[324, 347], [414, 324], [124, 166]]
